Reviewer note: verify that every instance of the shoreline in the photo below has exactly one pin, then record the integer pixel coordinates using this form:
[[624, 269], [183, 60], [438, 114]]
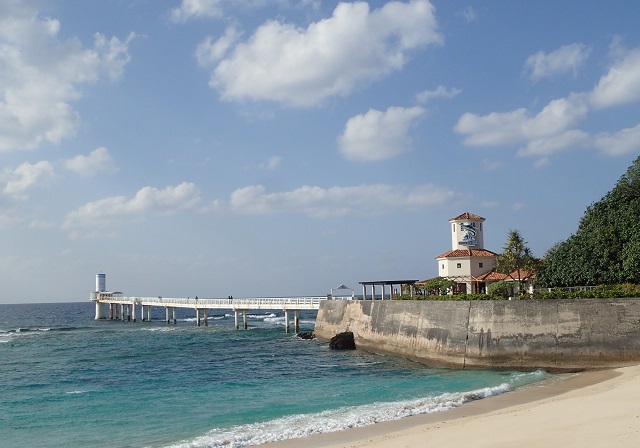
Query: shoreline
[[587, 406]]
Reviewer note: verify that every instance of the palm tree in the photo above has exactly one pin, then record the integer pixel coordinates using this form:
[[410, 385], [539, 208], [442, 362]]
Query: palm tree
[[516, 257]]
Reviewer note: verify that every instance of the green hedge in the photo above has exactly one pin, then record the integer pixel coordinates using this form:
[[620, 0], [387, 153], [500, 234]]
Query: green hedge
[[601, 292]]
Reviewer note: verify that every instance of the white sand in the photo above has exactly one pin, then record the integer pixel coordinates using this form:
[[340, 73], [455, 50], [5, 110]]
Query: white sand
[[596, 409]]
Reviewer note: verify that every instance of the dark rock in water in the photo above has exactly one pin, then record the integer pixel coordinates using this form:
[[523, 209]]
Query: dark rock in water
[[343, 341], [306, 335]]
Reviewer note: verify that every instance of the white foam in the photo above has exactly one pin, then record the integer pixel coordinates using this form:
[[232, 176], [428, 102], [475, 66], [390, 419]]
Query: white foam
[[304, 425]]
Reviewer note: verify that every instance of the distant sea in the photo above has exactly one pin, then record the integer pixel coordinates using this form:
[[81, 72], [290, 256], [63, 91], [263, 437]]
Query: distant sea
[[67, 380]]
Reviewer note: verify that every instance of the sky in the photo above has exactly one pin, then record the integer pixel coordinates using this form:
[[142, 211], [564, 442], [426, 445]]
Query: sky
[[284, 147]]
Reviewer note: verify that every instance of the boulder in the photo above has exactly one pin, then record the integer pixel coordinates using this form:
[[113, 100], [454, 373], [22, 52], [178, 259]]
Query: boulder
[[306, 335], [343, 341]]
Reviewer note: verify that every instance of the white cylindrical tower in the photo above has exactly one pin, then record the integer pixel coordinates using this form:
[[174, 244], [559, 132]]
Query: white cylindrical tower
[[467, 232], [101, 282]]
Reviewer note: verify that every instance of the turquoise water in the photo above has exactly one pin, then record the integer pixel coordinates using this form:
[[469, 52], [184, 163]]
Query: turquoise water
[[68, 380]]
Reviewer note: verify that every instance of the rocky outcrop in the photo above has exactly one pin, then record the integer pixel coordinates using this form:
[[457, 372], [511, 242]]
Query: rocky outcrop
[[343, 341], [306, 335]]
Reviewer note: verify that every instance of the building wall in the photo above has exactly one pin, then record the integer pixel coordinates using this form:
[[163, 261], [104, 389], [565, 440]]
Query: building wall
[[557, 335]]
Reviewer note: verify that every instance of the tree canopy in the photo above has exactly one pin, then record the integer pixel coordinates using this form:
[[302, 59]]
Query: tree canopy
[[516, 257], [606, 247]]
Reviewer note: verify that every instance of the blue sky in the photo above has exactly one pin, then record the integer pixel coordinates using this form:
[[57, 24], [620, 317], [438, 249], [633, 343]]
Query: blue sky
[[283, 147]]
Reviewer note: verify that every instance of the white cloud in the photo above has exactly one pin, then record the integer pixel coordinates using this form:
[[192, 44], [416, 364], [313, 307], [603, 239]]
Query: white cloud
[[625, 141], [469, 14], [518, 126], [337, 201], [621, 84], [40, 75], [302, 67], [546, 146], [440, 92], [209, 52], [271, 164], [26, 177], [98, 161], [378, 135], [8, 221], [553, 128], [190, 9], [566, 59], [104, 212]]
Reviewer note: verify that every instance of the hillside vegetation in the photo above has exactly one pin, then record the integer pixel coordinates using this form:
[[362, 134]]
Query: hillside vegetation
[[605, 250]]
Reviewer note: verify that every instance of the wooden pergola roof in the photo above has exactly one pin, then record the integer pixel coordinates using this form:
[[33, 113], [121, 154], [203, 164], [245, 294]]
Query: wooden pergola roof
[[390, 282]]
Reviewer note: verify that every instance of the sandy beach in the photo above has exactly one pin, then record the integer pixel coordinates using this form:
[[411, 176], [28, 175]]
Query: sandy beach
[[593, 409]]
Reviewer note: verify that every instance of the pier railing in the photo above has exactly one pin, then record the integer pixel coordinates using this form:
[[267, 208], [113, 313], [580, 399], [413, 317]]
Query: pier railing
[[114, 305], [261, 303]]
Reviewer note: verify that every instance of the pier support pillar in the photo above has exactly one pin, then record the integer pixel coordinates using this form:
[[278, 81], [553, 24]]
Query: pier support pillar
[[197, 317], [133, 306], [148, 313], [244, 319], [206, 322], [111, 311], [286, 321], [101, 310], [128, 313], [122, 312], [235, 316], [174, 316], [166, 315], [296, 322]]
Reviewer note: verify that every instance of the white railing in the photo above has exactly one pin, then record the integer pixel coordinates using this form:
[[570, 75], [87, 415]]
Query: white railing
[[239, 303]]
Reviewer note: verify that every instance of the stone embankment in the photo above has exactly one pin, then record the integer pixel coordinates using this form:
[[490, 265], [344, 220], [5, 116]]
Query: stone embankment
[[556, 335]]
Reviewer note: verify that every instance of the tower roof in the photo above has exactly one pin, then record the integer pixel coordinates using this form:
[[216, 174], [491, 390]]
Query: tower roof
[[467, 215]]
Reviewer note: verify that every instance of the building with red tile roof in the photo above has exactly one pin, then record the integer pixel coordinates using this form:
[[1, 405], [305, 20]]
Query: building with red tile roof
[[467, 261]]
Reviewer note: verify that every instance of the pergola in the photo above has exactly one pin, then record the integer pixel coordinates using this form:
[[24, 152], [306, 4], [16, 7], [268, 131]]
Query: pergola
[[384, 283]]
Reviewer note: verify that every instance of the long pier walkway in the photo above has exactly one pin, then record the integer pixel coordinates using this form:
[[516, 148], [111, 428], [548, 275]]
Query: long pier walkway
[[114, 305]]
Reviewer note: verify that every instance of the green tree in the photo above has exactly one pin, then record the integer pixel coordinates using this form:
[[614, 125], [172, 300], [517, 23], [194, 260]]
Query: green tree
[[516, 258], [501, 288], [438, 286], [606, 247]]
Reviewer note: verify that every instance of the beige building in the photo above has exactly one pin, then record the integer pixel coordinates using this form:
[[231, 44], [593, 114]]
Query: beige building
[[468, 262]]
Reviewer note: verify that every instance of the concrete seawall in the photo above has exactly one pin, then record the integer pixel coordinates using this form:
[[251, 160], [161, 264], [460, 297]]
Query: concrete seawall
[[557, 335]]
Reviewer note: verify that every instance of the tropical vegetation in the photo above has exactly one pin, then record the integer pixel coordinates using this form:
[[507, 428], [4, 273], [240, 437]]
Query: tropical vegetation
[[605, 250]]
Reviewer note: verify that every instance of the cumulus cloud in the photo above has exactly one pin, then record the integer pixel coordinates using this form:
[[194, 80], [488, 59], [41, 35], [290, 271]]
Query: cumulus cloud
[[546, 146], [105, 212], [625, 141], [553, 129], [271, 164], [621, 84], [441, 92], [209, 52], [40, 75], [98, 161], [519, 126], [25, 177], [303, 66], [321, 202], [566, 59], [378, 135], [190, 9]]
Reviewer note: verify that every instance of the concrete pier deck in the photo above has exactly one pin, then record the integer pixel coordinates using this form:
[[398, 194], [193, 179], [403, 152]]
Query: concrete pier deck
[[114, 305]]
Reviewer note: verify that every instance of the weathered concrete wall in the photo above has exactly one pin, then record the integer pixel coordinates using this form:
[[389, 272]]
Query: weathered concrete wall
[[558, 335]]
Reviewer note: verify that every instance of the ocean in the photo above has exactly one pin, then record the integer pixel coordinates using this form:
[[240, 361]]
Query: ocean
[[67, 380]]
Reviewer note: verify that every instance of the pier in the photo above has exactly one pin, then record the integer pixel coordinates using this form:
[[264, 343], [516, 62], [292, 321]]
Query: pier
[[114, 305]]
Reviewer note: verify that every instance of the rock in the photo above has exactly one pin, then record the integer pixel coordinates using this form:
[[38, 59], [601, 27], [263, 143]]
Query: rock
[[343, 341], [306, 335]]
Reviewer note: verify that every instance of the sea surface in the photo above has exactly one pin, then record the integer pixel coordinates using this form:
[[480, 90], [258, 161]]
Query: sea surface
[[67, 380]]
